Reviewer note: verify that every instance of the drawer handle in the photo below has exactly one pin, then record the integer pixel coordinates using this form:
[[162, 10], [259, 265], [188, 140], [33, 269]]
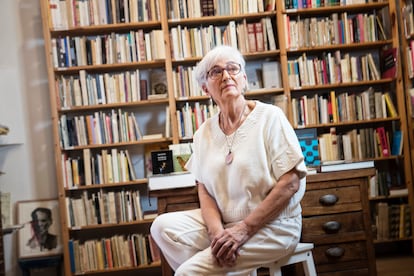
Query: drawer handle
[[331, 227], [335, 252], [328, 200]]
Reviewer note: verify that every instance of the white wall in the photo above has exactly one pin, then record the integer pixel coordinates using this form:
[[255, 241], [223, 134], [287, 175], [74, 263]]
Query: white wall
[[24, 107]]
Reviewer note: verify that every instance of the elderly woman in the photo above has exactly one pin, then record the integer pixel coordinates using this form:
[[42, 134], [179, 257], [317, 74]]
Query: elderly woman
[[251, 178]]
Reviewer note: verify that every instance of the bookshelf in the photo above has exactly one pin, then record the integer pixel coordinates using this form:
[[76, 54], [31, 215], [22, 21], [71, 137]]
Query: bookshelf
[[406, 19], [88, 86], [105, 112]]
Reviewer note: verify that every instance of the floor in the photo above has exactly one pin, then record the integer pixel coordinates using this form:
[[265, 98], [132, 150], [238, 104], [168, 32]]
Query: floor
[[395, 266]]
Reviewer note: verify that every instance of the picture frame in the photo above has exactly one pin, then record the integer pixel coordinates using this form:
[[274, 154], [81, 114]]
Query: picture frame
[[40, 234]]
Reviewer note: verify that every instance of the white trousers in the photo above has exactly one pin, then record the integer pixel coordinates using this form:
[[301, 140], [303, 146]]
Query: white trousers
[[183, 239]]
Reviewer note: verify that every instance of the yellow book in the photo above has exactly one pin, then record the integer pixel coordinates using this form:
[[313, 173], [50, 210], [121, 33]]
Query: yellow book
[[390, 105], [334, 107], [99, 255]]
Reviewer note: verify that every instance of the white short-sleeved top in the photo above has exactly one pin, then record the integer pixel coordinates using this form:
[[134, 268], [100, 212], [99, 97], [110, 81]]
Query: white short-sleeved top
[[264, 148]]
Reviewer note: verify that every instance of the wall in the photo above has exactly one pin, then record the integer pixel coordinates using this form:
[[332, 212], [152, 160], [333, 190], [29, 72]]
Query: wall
[[24, 107]]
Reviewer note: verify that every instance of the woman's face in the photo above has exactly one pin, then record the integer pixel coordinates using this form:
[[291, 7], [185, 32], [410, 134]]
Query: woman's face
[[225, 80]]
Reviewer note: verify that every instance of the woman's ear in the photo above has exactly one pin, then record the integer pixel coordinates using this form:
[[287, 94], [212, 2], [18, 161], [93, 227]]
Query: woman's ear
[[204, 87]]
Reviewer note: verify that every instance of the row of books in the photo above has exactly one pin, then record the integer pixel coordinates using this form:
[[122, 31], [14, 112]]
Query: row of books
[[336, 29], [408, 18], [387, 183], [392, 221], [410, 59], [302, 4], [191, 117], [107, 166], [361, 144], [184, 82], [104, 207], [109, 88], [181, 9], [342, 107], [79, 13], [113, 252], [248, 37], [99, 128], [113, 48], [331, 68]]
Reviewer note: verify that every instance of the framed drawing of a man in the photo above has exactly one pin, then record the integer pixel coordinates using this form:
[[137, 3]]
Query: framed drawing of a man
[[40, 235]]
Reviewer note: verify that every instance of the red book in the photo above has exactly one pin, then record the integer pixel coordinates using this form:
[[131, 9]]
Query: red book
[[383, 142], [251, 37], [258, 30], [143, 89], [108, 253]]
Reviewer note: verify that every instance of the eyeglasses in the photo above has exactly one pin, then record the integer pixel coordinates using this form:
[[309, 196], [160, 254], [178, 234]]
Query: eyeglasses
[[216, 72]]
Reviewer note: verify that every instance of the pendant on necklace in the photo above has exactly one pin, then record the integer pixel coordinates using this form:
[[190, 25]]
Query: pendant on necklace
[[229, 158]]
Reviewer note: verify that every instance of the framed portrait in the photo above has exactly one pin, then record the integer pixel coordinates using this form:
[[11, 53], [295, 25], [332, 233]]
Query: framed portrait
[[40, 235]]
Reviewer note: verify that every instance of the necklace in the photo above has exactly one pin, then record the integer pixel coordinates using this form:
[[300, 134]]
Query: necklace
[[230, 155]]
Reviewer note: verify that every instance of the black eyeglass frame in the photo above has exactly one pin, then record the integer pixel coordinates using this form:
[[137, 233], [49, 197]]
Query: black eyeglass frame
[[227, 68]]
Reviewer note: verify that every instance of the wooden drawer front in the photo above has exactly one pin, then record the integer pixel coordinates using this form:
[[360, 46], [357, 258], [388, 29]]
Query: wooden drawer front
[[182, 206], [353, 272], [332, 200], [340, 252], [325, 229]]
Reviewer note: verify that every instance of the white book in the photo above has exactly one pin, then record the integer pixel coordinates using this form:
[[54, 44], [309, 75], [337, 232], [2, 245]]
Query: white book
[[148, 46], [115, 165], [347, 166], [87, 166], [169, 181], [271, 74]]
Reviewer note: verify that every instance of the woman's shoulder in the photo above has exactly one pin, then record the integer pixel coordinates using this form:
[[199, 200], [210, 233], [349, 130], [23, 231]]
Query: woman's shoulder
[[267, 109], [211, 125]]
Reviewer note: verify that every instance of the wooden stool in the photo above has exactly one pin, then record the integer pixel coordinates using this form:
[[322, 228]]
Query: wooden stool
[[302, 254]]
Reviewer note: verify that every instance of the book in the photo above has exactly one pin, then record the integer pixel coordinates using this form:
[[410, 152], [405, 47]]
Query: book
[[159, 87], [383, 142], [271, 74], [398, 192], [152, 136], [254, 76], [181, 153], [397, 143], [342, 166], [171, 181], [155, 251], [391, 109], [389, 63], [149, 148], [308, 141], [162, 162]]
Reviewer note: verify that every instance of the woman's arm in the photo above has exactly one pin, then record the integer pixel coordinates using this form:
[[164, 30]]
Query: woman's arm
[[210, 212], [274, 203]]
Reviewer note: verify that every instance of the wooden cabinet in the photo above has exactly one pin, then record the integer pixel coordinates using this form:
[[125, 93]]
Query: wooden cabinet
[[336, 219]]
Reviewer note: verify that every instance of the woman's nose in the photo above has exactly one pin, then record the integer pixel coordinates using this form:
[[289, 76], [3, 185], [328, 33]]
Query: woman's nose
[[225, 75]]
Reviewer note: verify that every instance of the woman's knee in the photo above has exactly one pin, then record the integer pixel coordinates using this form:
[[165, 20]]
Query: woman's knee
[[159, 224]]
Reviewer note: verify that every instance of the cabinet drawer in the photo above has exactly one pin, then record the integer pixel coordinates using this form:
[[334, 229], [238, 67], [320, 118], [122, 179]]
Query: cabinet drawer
[[325, 229], [339, 253], [331, 200]]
